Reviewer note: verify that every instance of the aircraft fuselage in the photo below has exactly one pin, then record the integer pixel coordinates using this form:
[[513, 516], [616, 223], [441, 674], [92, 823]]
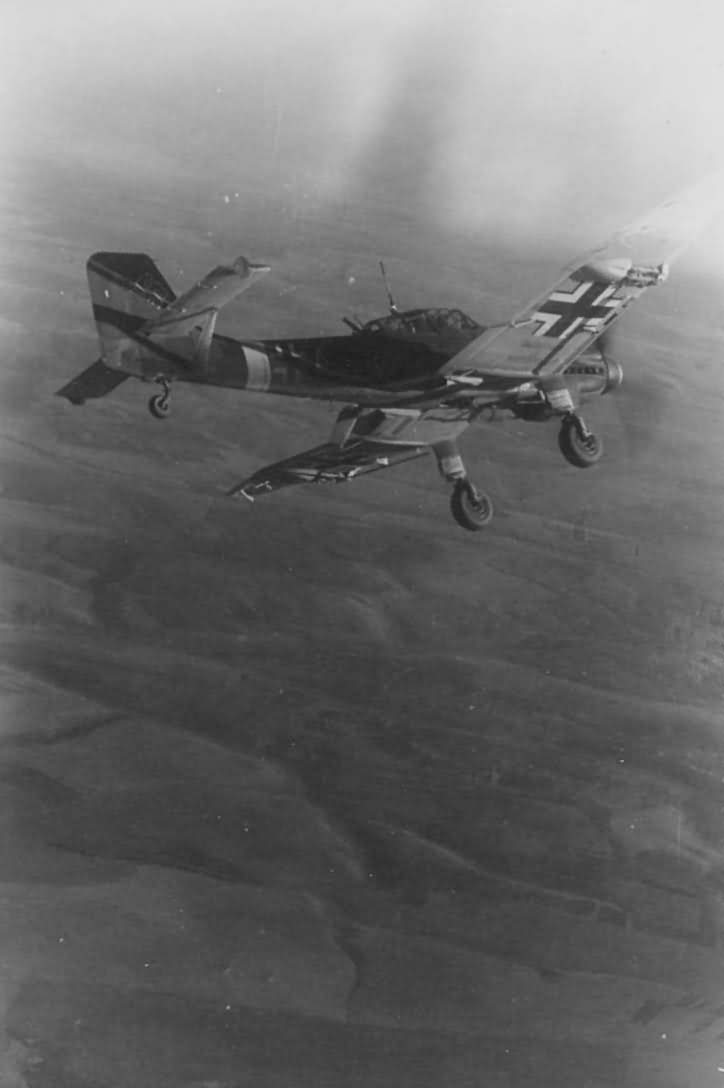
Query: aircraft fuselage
[[371, 365]]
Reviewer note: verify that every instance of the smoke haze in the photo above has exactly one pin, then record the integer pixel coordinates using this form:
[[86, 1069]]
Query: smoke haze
[[519, 118]]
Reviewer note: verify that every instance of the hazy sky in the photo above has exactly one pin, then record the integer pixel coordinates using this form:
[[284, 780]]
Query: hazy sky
[[489, 113]]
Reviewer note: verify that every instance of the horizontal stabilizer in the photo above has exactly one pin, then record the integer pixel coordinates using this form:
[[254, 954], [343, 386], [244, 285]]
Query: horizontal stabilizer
[[216, 290], [196, 322], [96, 381]]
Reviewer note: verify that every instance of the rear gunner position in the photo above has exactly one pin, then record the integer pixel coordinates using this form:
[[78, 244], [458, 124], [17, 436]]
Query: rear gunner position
[[411, 381]]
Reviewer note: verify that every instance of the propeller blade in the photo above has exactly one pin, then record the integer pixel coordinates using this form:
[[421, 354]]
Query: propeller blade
[[640, 406]]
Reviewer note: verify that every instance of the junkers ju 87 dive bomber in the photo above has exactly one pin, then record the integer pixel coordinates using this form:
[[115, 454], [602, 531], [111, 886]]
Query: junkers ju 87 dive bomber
[[410, 381]]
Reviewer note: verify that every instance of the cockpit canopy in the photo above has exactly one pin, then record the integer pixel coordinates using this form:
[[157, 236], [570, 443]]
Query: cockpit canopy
[[422, 323]]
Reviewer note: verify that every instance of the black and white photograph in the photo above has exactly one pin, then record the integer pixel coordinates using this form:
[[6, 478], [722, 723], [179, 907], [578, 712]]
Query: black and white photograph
[[362, 544]]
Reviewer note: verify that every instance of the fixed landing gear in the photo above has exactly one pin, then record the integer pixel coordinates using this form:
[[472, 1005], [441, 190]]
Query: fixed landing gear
[[158, 405], [578, 445], [472, 509]]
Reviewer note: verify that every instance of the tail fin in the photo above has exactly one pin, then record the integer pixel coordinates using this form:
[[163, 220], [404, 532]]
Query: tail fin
[[127, 291]]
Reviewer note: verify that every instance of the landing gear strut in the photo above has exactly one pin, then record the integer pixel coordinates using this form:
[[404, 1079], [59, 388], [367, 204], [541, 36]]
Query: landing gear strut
[[577, 444], [158, 405], [471, 508]]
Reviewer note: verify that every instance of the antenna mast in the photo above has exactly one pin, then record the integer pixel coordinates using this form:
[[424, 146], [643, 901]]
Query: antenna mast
[[390, 298]]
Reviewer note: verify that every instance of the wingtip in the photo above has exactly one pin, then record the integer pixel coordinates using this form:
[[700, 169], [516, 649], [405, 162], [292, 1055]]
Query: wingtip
[[244, 267], [662, 234], [239, 492]]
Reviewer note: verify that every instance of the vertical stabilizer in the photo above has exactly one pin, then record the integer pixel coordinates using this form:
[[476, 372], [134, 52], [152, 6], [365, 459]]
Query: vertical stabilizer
[[127, 290]]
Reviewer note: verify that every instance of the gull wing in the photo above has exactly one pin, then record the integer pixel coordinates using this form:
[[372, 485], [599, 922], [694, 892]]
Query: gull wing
[[549, 334], [328, 463]]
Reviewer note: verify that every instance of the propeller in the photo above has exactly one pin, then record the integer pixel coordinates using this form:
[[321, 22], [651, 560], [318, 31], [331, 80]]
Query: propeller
[[640, 406]]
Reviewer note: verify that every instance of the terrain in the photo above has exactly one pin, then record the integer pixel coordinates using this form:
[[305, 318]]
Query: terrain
[[323, 790]]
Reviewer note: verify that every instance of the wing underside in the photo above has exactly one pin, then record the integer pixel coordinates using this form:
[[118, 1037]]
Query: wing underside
[[328, 463]]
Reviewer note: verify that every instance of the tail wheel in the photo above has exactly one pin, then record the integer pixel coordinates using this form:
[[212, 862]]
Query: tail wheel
[[471, 508], [581, 450], [158, 406]]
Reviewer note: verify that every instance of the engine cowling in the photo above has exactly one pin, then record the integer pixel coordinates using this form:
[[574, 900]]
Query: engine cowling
[[594, 373]]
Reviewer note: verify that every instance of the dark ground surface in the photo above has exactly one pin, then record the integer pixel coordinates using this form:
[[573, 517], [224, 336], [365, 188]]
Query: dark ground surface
[[325, 791]]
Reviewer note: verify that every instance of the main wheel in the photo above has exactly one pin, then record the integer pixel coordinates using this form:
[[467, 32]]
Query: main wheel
[[581, 452], [471, 508], [158, 406]]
